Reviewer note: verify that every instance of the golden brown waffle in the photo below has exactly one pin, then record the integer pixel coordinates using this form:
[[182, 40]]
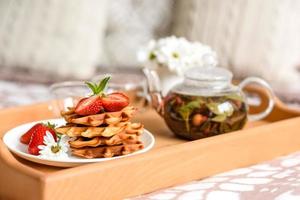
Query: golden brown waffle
[[89, 132], [107, 151], [109, 118], [72, 130], [120, 138]]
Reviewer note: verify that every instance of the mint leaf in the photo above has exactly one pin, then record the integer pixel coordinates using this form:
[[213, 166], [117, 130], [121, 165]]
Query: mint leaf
[[102, 84], [98, 89], [92, 86], [219, 118]]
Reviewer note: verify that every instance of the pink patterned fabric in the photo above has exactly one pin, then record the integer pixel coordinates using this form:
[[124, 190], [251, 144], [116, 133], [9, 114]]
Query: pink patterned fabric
[[278, 179]]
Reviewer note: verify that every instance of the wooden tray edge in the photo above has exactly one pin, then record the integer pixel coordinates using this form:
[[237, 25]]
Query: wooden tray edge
[[41, 179], [161, 162]]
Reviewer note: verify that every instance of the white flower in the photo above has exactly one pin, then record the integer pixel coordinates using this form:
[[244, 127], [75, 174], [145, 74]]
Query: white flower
[[226, 107], [52, 149], [177, 54]]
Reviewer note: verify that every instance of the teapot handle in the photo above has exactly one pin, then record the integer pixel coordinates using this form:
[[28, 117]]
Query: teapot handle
[[270, 94]]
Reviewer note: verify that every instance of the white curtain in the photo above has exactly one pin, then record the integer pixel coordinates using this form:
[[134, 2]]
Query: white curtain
[[59, 36], [252, 37]]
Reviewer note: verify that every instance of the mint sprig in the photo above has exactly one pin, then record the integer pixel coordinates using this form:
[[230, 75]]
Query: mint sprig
[[98, 89]]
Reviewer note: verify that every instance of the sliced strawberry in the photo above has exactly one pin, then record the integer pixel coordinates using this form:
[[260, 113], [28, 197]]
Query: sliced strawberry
[[89, 106], [25, 138], [93, 104], [37, 137], [115, 102]]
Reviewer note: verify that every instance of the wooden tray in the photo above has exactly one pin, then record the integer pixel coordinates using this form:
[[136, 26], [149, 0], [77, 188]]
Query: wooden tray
[[171, 162]]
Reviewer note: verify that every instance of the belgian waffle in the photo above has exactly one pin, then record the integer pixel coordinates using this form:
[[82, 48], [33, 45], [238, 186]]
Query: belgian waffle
[[107, 151], [73, 130], [109, 118], [102, 135], [120, 138]]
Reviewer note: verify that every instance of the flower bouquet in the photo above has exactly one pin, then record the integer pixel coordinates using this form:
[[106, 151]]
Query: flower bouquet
[[172, 56]]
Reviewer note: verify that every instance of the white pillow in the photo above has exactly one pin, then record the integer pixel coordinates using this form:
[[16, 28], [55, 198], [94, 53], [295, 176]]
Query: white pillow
[[131, 24], [251, 37], [61, 36]]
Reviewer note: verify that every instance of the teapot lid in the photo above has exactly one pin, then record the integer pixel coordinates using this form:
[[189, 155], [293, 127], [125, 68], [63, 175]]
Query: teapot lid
[[209, 74], [208, 81]]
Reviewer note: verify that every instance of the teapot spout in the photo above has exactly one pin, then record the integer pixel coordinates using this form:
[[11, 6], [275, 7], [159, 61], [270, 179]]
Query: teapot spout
[[154, 89]]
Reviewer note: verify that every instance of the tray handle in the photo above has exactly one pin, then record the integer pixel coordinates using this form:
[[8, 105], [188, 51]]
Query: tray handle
[[280, 111], [268, 91]]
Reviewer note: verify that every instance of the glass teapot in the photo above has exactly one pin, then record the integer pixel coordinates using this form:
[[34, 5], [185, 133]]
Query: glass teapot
[[206, 103]]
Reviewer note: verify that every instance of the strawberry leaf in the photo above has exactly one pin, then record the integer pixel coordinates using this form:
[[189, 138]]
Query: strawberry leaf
[[59, 136], [52, 126]]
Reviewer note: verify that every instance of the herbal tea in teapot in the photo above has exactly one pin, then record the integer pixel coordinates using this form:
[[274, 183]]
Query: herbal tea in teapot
[[206, 103], [195, 117]]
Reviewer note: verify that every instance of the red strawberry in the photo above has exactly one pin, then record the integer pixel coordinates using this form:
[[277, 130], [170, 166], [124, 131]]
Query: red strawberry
[[89, 106], [115, 102], [37, 138], [93, 104], [25, 138]]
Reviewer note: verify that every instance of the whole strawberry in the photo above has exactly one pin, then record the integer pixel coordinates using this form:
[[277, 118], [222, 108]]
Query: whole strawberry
[[93, 104], [37, 138]]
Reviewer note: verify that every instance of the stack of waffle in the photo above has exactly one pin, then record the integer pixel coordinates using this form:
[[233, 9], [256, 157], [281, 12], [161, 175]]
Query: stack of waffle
[[102, 135]]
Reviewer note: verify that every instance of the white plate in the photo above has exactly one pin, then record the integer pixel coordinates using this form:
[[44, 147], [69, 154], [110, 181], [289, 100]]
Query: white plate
[[12, 141]]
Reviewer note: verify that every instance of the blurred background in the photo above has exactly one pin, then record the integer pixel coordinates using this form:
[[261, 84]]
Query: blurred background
[[46, 41]]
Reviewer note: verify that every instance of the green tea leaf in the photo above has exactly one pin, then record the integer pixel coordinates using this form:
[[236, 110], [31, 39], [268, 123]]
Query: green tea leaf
[[225, 128], [186, 110], [189, 107], [235, 96], [213, 107], [219, 118], [201, 100]]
